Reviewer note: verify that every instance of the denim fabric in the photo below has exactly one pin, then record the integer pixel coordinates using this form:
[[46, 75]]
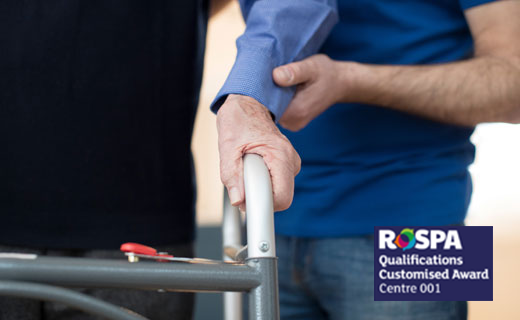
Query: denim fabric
[[333, 278]]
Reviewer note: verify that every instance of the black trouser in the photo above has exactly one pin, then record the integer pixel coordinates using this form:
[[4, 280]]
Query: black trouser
[[151, 304]]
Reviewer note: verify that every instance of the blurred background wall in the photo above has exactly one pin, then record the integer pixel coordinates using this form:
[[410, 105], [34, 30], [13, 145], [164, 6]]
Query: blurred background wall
[[496, 178]]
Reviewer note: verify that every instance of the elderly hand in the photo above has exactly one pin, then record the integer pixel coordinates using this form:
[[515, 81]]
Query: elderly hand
[[320, 83], [245, 126]]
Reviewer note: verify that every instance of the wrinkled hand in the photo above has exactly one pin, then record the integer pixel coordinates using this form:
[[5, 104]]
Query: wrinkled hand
[[245, 126], [319, 86]]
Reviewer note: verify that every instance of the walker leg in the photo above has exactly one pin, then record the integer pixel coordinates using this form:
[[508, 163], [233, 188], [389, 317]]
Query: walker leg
[[263, 300]]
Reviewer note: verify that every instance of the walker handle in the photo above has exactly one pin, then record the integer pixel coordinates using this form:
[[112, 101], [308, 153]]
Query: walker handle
[[259, 208]]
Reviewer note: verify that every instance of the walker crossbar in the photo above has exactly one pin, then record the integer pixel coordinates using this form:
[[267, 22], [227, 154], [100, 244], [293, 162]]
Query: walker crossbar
[[82, 272]]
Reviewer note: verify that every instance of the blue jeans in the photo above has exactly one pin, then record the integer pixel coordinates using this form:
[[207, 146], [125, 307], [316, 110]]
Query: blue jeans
[[333, 278]]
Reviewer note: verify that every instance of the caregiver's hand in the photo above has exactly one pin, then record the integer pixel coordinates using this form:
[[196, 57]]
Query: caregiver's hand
[[320, 83], [245, 126]]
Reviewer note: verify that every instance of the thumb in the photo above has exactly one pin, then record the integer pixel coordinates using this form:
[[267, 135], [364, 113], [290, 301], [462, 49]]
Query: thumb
[[293, 73]]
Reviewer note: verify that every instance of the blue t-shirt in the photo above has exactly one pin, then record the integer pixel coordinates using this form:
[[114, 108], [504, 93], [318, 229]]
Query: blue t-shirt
[[366, 166]]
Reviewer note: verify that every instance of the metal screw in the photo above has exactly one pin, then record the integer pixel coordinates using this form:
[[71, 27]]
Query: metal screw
[[132, 258], [264, 246]]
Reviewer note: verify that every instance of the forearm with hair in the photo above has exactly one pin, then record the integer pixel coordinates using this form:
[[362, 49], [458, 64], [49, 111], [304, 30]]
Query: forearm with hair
[[482, 89]]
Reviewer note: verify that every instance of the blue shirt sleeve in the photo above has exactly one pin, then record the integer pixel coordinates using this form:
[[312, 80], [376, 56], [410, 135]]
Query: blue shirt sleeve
[[277, 32]]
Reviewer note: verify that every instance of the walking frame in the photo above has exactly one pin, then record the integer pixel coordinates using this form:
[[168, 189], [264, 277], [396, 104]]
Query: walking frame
[[251, 269]]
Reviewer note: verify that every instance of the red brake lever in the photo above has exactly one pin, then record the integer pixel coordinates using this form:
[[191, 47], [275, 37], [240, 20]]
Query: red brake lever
[[137, 248]]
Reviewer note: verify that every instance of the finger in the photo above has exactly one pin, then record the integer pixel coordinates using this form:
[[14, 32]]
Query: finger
[[282, 179], [294, 73], [231, 174], [293, 124], [299, 112], [293, 119], [283, 189]]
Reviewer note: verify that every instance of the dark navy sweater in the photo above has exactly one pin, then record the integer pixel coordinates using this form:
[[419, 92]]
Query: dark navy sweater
[[97, 103]]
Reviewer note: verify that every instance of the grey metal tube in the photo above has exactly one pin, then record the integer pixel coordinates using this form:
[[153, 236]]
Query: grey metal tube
[[263, 300], [81, 272], [259, 208], [231, 239], [68, 297]]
